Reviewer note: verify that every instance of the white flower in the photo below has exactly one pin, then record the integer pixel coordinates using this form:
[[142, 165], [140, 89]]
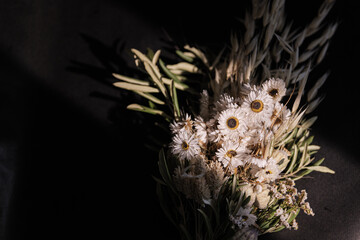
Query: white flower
[[176, 127], [279, 211], [283, 188], [246, 88], [243, 218], [258, 107], [184, 125], [275, 88], [231, 154], [269, 173], [303, 196], [295, 225], [307, 209], [284, 220], [231, 124], [260, 162], [201, 130], [185, 145], [225, 102], [255, 136]]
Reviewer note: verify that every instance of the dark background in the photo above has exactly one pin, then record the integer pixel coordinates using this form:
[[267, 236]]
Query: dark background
[[72, 161]]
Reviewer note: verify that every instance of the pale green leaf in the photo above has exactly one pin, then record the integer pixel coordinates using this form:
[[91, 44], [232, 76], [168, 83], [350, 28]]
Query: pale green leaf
[[174, 99], [141, 108], [293, 159], [321, 169], [155, 78], [184, 66], [178, 85], [187, 56], [156, 57], [198, 53], [168, 72], [130, 80], [151, 97], [145, 59], [135, 87]]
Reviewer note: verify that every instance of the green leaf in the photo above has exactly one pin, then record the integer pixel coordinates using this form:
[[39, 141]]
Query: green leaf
[[164, 203], [304, 157], [290, 137], [135, 87], [175, 100], [310, 148], [293, 159], [215, 209], [207, 223], [151, 97], [150, 53], [308, 171], [198, 53], [168, 72], [278, 229], [155, 78], [145, 59], [309, 140], [141, 108], [156, 57], [130, 80], [321, 169], [152, 105], [178, 85], [164, 171], [246, 201], [293, 215], [184, 56], [183, 66]]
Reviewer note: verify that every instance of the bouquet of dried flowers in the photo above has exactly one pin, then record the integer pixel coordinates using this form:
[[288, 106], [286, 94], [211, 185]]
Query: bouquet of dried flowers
[[240, 131]]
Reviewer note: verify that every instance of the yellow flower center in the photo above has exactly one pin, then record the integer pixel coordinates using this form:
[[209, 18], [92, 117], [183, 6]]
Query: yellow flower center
[[185, 145], [231, 153], [268, 172], [232, 123], [273, 92], [257, 106]]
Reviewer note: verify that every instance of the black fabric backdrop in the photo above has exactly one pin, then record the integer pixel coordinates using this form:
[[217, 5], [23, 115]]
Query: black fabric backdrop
[[72, 161]]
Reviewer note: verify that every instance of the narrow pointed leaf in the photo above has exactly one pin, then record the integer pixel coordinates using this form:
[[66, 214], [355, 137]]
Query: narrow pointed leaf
[[156, 57], [135, 87], [175, 100], [184, 56], [178, 85], [130, 80], [293, 160], [321, 169], [168, 72], [145, 59], [155, 78], [141, 108], [207, 223], [151, 97]]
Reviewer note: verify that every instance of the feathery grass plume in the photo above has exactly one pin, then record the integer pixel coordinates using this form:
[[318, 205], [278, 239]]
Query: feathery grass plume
[[230, 170]]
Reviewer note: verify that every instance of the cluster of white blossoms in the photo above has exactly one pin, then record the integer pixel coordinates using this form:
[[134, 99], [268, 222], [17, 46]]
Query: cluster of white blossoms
[[234, 131]]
